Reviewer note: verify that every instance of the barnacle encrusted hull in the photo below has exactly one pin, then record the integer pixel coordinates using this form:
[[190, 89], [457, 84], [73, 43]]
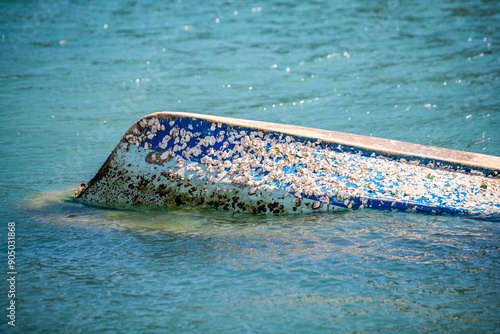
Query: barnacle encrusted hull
[[173, 159]]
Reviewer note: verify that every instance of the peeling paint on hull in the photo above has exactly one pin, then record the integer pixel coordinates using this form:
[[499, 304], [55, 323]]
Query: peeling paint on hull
[[174, 159]]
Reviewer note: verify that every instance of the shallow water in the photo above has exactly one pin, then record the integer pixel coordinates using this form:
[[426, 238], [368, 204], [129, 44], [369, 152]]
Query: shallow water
[[75, 75]]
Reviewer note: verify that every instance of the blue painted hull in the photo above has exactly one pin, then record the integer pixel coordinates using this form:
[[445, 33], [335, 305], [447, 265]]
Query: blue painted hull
[[177, 159]]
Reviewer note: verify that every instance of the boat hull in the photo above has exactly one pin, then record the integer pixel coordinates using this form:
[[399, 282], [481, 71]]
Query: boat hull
[[175, 159]]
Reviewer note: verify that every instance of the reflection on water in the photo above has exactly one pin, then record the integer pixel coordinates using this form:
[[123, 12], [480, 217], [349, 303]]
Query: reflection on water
[[370, 233]]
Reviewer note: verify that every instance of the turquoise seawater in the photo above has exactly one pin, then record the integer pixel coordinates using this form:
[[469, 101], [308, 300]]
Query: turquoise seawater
[[75, 75]]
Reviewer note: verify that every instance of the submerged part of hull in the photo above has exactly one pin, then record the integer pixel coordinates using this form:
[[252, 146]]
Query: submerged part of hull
[[168, 159]]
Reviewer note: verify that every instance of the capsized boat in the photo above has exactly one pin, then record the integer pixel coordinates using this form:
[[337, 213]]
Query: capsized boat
[[174, 159]]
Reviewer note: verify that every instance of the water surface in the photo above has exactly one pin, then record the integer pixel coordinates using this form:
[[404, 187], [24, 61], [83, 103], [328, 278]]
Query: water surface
[[76, 74]]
